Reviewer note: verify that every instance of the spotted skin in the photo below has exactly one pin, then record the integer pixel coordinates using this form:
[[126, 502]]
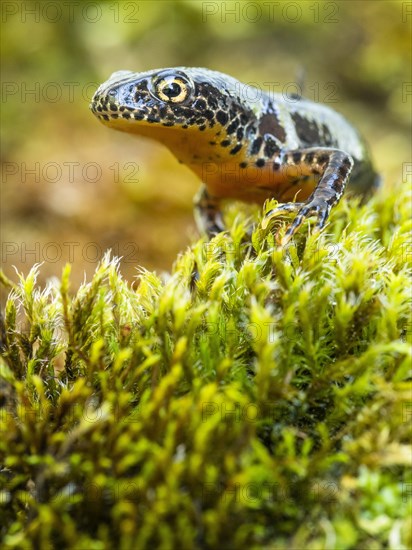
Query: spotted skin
[[301, 153]]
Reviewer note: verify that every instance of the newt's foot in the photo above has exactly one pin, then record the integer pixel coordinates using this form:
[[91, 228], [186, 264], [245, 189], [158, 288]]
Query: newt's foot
[[315, 207]]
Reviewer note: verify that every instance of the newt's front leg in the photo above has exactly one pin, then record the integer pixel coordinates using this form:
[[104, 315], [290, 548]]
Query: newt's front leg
[[334, 166], [207, 213]]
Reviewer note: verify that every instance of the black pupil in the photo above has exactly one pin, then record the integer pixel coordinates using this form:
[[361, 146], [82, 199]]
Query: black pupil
[[172, 89]]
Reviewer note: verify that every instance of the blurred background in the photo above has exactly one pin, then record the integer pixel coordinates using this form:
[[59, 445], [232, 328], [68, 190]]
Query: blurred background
[[72, 188]]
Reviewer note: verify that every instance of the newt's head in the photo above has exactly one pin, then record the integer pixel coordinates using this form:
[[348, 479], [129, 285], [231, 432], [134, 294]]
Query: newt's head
[[178, 107]]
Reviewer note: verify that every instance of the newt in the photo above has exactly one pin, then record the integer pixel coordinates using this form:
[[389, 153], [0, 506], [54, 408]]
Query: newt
[[301, 153]]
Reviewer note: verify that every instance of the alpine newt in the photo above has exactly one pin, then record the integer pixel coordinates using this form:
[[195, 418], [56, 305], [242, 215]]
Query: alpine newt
[[271, 147]]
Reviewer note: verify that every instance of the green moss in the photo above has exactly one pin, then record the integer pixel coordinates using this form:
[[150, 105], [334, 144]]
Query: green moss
[[255, 397]]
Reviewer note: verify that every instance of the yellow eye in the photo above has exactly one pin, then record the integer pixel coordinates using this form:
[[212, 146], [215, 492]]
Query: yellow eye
[[172, 89]]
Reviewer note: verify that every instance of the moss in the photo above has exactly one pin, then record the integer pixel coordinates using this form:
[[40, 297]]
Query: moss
[[254, 397]]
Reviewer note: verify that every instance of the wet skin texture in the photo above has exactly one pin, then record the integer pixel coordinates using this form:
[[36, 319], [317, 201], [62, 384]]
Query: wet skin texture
[[295, 151]]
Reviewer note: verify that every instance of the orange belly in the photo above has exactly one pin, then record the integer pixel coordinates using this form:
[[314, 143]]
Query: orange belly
[[256, 184]]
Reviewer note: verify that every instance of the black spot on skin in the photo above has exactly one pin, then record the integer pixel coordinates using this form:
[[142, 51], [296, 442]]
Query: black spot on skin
[[209, 115], [276, 166], [271, 147], [297, 157], [99, 108], [122, 108], [139, 90], [327, 140], [126, 115], [212, 142], [212, 102], [337, 185], [114, 115], [138, 116], [270, 124], [168, 123], [307, 130], [178, 111], [240, 133], [152, 119], [113, 107], [184, 126], [243, 164], [256, 146], [260, 162], [106, 117], [232, 127], [200, 104], [163, 111], [323, 158], [225, 143], [202, 127], [236, 149], [309, 158], [221, 117]]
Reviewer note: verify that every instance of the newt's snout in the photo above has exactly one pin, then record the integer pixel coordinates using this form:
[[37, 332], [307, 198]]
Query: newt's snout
[[115, 96]]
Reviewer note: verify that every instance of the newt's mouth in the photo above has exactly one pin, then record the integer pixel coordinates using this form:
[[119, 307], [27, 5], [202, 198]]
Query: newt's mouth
[[109, 111]]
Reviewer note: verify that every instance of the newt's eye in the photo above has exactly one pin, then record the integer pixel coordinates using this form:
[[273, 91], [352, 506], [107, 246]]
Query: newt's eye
[[172, 88]]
